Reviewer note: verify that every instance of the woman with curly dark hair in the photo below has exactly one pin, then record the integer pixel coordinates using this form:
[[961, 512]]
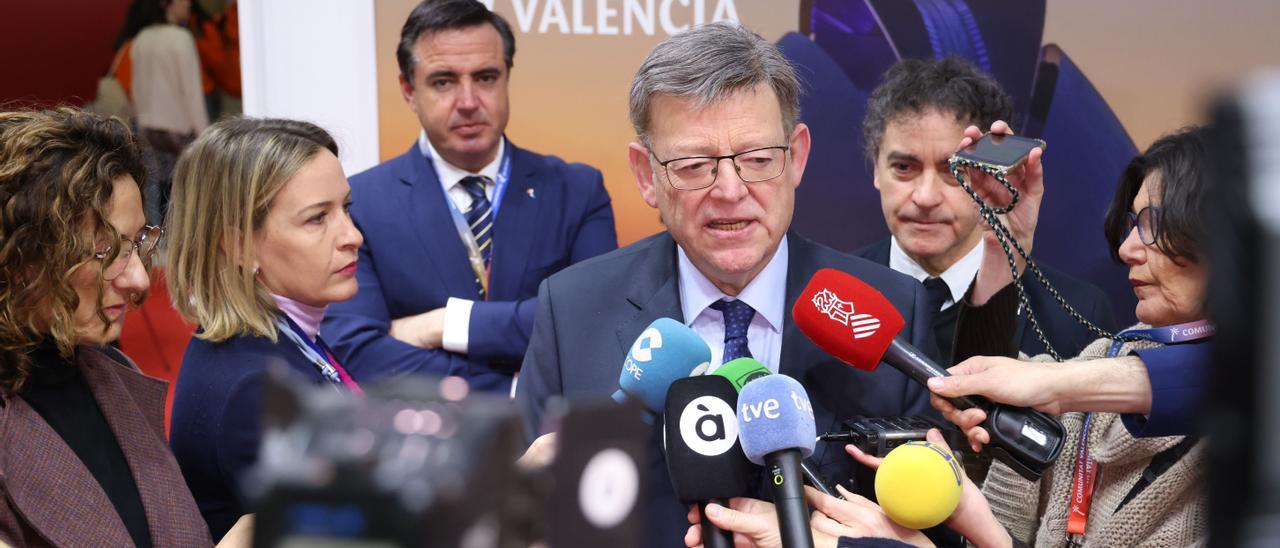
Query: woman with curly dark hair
[[83, 458]]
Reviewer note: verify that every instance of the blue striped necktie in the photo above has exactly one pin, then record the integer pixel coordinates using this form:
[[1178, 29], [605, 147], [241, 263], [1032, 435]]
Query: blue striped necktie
[[479, 216]]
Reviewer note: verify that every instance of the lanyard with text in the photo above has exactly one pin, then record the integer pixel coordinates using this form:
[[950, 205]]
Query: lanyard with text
[[1086, 470], [464, 229], [314, 353]]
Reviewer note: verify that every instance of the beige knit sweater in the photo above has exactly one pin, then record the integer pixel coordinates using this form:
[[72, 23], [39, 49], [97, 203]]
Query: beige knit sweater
[[1171, 511]]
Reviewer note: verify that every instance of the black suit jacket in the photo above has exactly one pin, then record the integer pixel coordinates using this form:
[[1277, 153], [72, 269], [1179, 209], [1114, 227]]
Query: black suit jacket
[[1067, 335], [589, 315]]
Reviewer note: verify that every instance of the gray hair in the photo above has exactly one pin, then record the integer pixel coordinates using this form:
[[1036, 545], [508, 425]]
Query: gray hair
[[709, 63]]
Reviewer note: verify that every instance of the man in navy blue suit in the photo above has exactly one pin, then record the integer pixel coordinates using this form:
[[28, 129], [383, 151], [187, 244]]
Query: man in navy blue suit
[[914, 121], [460, 229], [719, 152]]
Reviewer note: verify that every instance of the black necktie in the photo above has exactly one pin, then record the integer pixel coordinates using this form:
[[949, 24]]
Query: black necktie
[[939, 293], [944, 321], [737, 317]]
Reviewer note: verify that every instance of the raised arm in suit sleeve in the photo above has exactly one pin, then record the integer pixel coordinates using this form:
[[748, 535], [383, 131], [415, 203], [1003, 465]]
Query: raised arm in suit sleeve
[[359, 331], [500, 330], [540, 374], [1178, 375]]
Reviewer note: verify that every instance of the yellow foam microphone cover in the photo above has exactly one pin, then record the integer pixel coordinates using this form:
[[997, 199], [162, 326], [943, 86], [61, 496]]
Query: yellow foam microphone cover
[[918, 484]]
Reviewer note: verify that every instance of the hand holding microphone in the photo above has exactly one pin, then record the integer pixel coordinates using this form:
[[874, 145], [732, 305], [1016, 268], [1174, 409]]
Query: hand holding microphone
[[857, 325], [776, 425], [909, 506], [704, 458]]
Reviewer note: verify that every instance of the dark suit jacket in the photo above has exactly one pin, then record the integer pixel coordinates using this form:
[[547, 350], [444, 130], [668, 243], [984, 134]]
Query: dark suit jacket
[[1067, 335], [1179, 376], [49, 498], [216, 422], [589, 315], [552, 215]]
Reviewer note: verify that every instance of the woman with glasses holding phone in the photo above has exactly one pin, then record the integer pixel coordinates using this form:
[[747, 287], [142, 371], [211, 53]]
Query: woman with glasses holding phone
[[1109, 487], [83, 459], [261, 243]]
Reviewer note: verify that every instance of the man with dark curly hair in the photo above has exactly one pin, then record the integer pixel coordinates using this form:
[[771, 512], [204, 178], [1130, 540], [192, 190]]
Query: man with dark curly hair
[[914, 120]]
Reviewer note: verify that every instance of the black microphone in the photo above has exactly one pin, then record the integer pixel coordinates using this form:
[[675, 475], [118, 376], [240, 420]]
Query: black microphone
[[704, 457], [775, 422]]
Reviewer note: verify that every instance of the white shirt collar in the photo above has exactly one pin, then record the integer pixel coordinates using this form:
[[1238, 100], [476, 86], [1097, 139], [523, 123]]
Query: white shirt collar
[[766, 293], [449, 174], [958, 277]]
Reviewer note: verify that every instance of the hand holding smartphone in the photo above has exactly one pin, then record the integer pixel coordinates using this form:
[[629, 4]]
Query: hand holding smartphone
[[1016, 158]]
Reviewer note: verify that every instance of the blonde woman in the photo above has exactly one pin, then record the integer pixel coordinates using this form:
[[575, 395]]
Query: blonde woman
[[261, 243]]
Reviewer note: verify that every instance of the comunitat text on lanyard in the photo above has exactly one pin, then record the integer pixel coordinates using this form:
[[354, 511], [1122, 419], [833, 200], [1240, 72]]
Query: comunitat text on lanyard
[[480, 269], [1086, 470]]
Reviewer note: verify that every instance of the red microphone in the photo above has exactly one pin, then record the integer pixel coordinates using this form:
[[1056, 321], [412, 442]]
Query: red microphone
[[857, 325]]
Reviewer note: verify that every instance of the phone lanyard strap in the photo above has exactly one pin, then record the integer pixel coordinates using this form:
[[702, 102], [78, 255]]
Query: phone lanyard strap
[[474, 257], [1086, 470], [1009, 244]]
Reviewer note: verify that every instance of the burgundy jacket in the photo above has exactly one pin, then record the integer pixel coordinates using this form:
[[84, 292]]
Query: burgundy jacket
[[49, 498]]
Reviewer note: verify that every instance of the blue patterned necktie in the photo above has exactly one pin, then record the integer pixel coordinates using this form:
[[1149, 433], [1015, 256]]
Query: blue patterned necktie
[[737, 317], [479, 217]]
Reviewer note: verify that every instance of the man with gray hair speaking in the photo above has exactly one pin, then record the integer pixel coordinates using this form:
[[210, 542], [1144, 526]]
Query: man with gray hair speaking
[[719, 152]]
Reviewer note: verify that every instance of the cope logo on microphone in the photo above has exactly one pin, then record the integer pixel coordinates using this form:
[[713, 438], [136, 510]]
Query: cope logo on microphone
[[642, 351], [828, 303], [708, 426]]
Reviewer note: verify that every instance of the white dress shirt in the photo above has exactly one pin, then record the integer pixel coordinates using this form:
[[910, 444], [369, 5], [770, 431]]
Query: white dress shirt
[[766, 294], [958, 278], [457, 313]]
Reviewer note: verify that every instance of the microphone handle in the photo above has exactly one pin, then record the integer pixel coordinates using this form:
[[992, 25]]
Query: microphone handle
[[816, 480], [785, 478], [712, 536], [920, 368]]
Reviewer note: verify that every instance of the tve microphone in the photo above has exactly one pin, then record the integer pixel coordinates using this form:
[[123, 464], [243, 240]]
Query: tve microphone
[[855, 323], [704, 459], [665, 351], [741, 371], [775, 423]]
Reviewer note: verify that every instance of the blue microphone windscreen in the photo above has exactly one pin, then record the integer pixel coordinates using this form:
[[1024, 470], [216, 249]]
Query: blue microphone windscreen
[[774, 414], [667, 350]]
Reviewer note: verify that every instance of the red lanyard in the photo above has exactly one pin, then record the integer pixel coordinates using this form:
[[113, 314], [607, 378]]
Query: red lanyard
[[1082, 482]]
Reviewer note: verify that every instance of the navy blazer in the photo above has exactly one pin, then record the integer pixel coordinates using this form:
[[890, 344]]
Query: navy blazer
[[589, 315], [552, 215], [1179, 376], [217, 414], [1064, 332]]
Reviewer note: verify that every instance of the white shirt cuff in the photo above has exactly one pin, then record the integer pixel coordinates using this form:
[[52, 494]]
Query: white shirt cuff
[[457, 325]]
